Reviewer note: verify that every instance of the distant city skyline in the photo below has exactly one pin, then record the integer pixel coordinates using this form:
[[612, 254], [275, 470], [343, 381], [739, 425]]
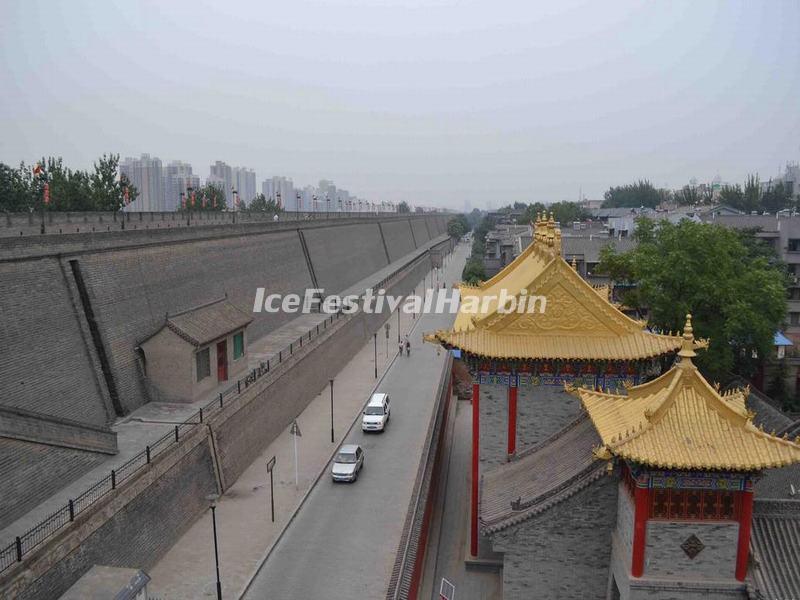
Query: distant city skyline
[[161, 187], [403, 100]]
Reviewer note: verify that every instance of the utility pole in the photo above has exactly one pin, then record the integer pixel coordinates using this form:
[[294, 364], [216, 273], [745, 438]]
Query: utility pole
[[295, 431], [331, 382], [270, 468]]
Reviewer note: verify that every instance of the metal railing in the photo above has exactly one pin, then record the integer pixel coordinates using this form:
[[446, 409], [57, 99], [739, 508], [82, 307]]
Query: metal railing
[[49, 526]]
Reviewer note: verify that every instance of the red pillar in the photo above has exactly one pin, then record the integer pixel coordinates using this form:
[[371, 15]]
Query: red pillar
[[641, 501], [745, 521], [473, 540], [512, 421]]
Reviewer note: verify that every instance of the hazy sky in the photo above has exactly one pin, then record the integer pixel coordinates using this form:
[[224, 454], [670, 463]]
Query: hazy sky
[[433, 102]]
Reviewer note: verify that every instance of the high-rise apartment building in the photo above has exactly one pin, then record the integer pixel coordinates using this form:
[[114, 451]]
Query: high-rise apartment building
[[244, 180], [285, 186], [145, 174], [221, 174], [178, 178]]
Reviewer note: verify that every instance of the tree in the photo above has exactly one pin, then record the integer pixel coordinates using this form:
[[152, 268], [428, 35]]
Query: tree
[[16, 189], [261, 204], [777, 197], [752, 194], [634, 195], [403, 207], [208, 197], [736, 294], [69, 190], [108, 192], [533, 210], [474, 271], [733, 196], [457, 227], [688, 195], [568, 212]]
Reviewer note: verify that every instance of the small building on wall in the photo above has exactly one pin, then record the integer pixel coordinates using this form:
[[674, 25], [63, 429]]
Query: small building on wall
[[195, 351]]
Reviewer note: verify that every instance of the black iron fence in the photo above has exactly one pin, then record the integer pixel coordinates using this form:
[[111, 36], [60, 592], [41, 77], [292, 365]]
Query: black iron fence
[[48, 527]]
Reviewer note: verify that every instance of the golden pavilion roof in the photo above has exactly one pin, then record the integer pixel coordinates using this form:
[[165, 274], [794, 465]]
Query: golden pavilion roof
[[576, 322], [679, 421]]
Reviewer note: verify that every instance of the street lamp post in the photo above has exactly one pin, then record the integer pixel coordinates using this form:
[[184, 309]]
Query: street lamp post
[[398, 324], [331, 382], [375, 340], [212, 498], [270, 468]]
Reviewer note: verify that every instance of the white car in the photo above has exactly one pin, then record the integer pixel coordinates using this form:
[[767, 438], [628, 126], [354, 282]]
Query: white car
[[376, 414], [347, 463]]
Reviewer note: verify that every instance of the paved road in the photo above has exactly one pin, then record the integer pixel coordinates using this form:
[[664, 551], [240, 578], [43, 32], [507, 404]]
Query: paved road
[[343, 542]]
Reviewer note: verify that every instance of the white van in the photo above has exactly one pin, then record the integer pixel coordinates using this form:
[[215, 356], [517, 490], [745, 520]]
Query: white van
[[376, 413]]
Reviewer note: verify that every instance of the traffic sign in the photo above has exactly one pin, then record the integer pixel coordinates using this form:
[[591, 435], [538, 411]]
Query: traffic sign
[[295, 430], [447, 591]]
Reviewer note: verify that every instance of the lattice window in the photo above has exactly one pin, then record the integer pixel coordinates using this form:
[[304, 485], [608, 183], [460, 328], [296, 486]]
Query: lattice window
[[693, 505]]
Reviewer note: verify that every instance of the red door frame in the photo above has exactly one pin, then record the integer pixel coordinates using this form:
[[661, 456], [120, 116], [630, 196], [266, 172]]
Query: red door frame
[[222, 360]]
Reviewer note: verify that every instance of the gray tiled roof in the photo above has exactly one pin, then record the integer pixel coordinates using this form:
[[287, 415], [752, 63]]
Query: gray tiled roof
[[774, 483], [541, 477], [590, 248], [766, 414], [775, 545], [207, 323]]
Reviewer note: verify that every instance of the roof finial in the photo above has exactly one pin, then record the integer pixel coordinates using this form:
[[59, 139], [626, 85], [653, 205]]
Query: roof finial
[[687, 349]]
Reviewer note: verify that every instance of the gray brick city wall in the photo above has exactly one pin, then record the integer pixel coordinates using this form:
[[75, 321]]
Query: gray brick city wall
[[541, 412], [38, 246], [139, 533], [563, 553], [31, 472], [28, 426], [45, 365], [399, 240], [16, 225], [420, 231], [345, 254], [132, 290]]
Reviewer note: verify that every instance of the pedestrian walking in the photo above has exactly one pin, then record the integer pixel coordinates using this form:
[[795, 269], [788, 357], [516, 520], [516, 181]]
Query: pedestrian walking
[[408, 347], [400, 347]]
